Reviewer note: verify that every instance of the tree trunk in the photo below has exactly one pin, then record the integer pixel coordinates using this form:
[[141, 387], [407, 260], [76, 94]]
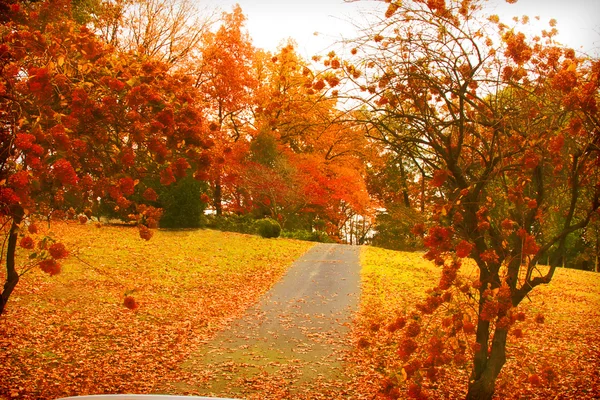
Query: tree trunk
[[404, 186], [597, 250], [12, 277], [482, 389], [423, 193], [486, 367], [217, 197]]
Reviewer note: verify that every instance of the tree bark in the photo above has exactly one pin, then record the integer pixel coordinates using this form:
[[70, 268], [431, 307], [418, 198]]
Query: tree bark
[[423, 193], [218, 197], [481, 389], [597, 250], [404, 185], [12, 277], [487, 367]]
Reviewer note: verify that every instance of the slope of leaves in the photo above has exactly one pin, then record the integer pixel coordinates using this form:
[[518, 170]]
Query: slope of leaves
[[71, 335], [566, 344], [392, 282], [558, 354]]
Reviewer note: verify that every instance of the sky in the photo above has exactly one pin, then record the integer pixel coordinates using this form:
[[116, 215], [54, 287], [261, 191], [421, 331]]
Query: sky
[[272, 21], [578, 21], [313, 24]]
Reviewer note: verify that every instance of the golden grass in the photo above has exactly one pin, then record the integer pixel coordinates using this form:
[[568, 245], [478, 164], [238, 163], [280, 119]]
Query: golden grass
[[393, 281], [70, 334], [568, 341]]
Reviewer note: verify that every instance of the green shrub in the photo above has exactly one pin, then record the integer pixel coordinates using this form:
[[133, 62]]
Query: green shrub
[[314, 236], [232, 223], [268, 228], [182, 206]]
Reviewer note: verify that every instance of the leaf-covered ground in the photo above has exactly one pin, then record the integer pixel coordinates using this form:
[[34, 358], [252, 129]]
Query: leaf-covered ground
[[293, 343], [563, 351], [71, 335]]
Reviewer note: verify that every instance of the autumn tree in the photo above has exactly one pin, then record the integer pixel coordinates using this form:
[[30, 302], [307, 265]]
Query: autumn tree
[[270, 184], [506, 128], [226, 82], [396, 190], [165, 31], [292, 98], [82, 127], [296, 105]]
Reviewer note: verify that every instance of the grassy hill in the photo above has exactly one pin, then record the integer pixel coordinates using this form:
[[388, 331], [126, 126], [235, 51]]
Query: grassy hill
[[566, 343], [70, 334]]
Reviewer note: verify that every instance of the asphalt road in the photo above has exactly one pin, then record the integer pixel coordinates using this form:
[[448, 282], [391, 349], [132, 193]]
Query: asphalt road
[[293, 340]]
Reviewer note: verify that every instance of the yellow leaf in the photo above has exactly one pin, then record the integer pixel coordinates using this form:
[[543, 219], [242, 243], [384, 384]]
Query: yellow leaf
[[403, 375], [60, 61]]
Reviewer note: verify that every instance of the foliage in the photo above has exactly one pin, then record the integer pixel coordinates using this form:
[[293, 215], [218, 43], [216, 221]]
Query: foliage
[[69, 334], [268, 228], [182, 204], [391, 281], [232, 223], [313, 169], [492, 135], [393, 229], [265, 150], [82, 124], [503, 130], [227, 85], [311, 236], [49, 322]]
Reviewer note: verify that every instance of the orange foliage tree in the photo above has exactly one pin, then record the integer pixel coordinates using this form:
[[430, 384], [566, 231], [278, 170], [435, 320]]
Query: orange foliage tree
[[322, 163], [507, 130], [225, 78], [82, 126]]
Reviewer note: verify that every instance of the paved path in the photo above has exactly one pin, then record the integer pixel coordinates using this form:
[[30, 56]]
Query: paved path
[[292, 342]]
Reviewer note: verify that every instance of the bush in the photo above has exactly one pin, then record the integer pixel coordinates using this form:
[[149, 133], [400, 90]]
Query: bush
[[268, 228], [232, 223], [314, 236], [182, 206]]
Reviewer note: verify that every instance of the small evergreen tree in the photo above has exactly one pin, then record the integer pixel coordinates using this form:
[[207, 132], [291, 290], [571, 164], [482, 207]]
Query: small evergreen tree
[[182, 204], [268, 228]]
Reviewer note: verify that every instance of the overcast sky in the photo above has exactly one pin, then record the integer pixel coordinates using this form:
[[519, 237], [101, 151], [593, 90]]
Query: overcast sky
[[271, 21], [578, 21]]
